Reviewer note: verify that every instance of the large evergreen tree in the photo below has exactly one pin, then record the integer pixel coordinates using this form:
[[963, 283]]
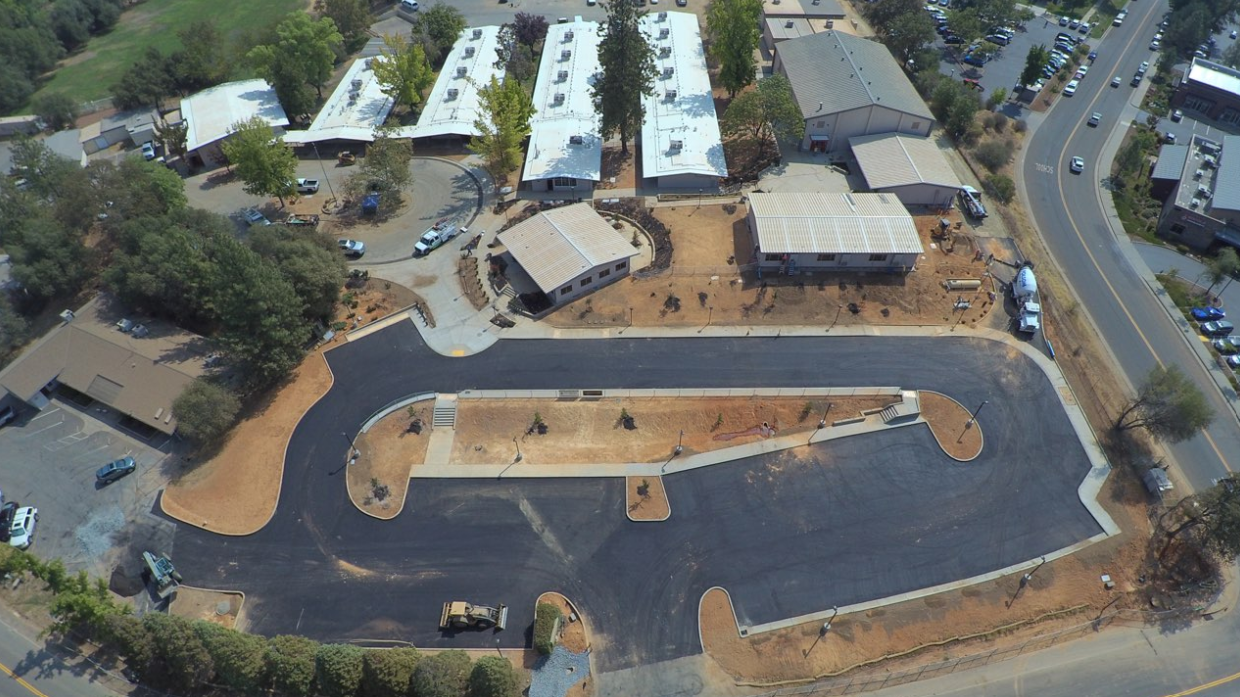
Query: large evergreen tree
[[628, 71]]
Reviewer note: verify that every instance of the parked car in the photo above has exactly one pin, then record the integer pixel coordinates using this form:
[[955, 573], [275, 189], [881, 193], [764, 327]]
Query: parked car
[[148, 151], [975, 60], [1078, 165], [1217, 328], [682, 3], [1063, 21], [1169, 137], [409, 5], [1227, 345], [1074, 24], [1136, 80], [1085, 27], [352, 248], [1177, 116], [1094, 119], [253, 217], [1071, 88], [1115, 81], [952, 39], [1141, 69], [1232, 362], [307, 186], [115, 470], [7, 414], [7, 511], [434, 237], [21, 532], [1233, 34], [1208, 314], [1081, 71], [998, 39]]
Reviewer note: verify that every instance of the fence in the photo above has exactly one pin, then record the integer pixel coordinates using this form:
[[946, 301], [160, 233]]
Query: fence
[[730, 271], [878, 681]]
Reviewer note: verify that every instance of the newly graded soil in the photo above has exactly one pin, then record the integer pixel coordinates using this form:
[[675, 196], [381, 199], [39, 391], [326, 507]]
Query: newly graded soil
[[573, 635], [948, 422], [705, 286], [589, 432], [388, 450], [235, 492], [654, 505], [203, 604]]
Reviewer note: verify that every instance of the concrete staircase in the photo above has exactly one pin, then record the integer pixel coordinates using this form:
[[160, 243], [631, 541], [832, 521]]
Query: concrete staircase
[[444, 413], [909, 407]]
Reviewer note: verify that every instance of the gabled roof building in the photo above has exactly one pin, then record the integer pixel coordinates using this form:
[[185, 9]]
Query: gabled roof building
[[565, 150]]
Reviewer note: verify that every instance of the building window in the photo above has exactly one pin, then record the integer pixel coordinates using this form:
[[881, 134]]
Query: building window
[[587, 281], [878, 257], [604, 273], [566, 290], [916, 125], [820, 124], [622, 265], [826, 257], [564, 183], [774, 257], [1177, 229]]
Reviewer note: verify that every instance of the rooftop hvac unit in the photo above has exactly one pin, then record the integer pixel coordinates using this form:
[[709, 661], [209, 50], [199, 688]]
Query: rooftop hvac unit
[[665, 51], [477, 34], [662, 16], [461, 71], [469, 51], [667, 72], [664, 33], [788, 24], [566, 54], [559, 99], [568, 36], [677, 145], [563, 75], [453, 94], [576, 140], [671, 95], [370, 63], [357, 84]]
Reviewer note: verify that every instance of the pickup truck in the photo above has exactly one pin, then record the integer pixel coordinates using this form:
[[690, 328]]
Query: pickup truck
[[307, 186], [434, 237], [971, 201], [302, 220]]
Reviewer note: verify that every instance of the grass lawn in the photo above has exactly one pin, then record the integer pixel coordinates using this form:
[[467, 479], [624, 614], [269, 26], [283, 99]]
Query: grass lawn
[[88, 74]]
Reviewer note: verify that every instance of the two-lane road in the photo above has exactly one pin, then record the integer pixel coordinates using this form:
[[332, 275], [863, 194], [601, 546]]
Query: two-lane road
[[1068, 210]]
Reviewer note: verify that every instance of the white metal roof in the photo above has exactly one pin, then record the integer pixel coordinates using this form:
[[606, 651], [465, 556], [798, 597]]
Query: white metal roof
[[356, 108], [556, 246], [210, 114], [1215, 75], [453, 103], [894, 159], [833, 224], [563, 108], [680, 133]]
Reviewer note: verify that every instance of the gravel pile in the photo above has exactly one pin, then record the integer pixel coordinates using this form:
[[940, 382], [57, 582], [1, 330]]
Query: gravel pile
[[95, 535], [553, 675]]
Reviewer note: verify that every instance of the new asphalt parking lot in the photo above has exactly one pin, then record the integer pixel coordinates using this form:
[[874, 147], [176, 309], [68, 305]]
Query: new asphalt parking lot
[[838, 523]]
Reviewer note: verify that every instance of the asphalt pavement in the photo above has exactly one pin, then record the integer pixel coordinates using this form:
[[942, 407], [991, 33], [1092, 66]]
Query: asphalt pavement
[[852, 520], [1069, 212]]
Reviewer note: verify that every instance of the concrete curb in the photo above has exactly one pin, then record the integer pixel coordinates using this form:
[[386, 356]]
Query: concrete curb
[[736, 621], [381, 323], [977, 424], [240, 608], [629, 513], [675, 393], [400, 404]]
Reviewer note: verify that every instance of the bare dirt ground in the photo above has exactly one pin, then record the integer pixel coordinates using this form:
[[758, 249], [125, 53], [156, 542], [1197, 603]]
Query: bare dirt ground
[[573, 635], [705, 286], [621, 168], [203, 604], [379, 480], [646, 498], [1063, 593], [235, 491], [950, 424], [588, 432]]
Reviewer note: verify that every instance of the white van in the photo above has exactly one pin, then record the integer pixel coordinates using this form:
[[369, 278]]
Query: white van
[[409, 5]]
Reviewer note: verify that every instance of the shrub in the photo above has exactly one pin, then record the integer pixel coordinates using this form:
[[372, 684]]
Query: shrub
[[546, 618], [205, 411], [290, 665], [493, 676], [339, 669], [386, 673], [1001, 187], [1000, 122], [181, 661], [442, 675], [994, 154], [238, 656]]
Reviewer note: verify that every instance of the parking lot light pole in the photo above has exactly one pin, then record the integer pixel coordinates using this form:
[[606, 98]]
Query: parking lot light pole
[[324, 168], [514, 442], [973, 416], [680, 442], [1024, 580]]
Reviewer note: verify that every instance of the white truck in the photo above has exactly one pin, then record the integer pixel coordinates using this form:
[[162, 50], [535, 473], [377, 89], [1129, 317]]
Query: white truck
[[971, 201], [435, 237], [1025, 293]]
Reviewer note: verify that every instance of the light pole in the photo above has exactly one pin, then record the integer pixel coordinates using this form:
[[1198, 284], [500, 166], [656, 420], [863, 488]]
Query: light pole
[[699, 198], [973, 416], [680, 443], [324, 168], [353, 451], [822, 632], [1024, 580], [514, 442]]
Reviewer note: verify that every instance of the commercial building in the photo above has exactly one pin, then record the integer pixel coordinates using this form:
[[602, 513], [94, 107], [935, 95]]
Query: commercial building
[[210, 115], [568, 251], [353, 111], [804, 9], [1211, 89], [776, 30], [680, 141], [565, 151], [832, 232], [127, 128], [846, 87], [1203, 208], [452, 107], [911, 167], [99, 355]]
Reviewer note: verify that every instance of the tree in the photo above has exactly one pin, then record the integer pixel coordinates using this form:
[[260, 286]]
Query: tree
[[628, 72], [1169, 406], [503, 122], [145, 83], [1220, 266], [385, 168], [200, 62], [994, 154], [767, 113], [43, 170], [339, 669], [966, 24], [136, 645], [79, 603], [14, 329], [493, 676], [403, 71], [908, 33], [310, 261], [996, 98], [1035, 61], [304, 47], [441, 675], [265, 166], [955, 105], [49, 260], [529, 29], [290, 662], [173, 136], [436, 28], [352, 18], [1231, 56], [205, 411], [884, 12], [387, 673], [1214, 515], [734, 36], [181, 661], [56, 109], [160, 264], [237, 656], [1001, 187]]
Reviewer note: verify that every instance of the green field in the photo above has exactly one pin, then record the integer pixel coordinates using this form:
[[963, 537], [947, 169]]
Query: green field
[[88, 74]]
